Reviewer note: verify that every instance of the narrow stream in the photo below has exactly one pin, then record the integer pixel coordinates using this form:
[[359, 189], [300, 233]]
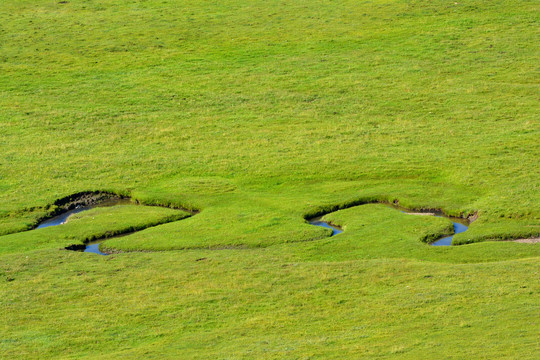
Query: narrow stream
[[447, 241], [92, 247], [62, 218], [460, 225], [318, 222]]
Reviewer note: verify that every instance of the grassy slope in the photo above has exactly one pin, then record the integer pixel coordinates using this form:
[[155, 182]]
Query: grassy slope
[[259, 113], [424, 100], [264, 303]]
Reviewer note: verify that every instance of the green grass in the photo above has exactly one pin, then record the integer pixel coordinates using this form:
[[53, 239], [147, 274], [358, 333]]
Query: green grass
[[97, 223], [265, 303], [259, 114]]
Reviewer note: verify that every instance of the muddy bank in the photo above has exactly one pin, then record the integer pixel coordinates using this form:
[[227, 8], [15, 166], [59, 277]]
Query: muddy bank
[[528, 241], [86, 198], [327, 209], [62, 208]]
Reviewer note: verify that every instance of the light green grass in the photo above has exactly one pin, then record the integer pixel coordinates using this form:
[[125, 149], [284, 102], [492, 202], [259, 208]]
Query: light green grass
[[259, 113], [264, 303], [97, 223]]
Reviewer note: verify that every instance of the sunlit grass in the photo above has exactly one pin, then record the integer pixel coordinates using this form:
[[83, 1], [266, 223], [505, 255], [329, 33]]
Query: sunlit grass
[[258, 114]]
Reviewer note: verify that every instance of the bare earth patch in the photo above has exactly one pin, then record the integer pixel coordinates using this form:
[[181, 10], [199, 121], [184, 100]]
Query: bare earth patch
[[528, 241]]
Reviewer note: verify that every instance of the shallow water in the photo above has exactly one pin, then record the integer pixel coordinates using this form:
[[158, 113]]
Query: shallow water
[[62, 218], [447, 241], [460, 225], [94, 248], [318, 222]]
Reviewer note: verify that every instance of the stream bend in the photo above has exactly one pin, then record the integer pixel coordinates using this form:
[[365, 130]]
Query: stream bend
[[88, 200], [84, 201], [460, 224]]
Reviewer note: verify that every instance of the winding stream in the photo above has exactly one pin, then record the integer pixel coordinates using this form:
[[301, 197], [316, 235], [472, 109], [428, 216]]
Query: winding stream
[[62, 218], [318, 222], [447, 241], [93, 246], [460, 225]]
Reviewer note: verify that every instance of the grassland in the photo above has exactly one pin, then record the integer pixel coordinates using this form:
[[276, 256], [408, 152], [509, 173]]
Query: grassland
[[259, 113], [94, 224]]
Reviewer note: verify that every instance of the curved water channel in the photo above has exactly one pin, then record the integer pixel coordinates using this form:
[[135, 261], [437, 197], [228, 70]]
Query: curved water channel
[[62, 218], [92, 247], [460, 224]]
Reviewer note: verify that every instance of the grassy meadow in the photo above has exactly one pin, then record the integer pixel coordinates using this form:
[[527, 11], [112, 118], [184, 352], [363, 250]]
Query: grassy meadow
[[258, 115]]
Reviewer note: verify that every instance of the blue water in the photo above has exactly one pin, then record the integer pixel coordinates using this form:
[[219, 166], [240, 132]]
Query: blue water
[[447, 241], [60, 219], [94, 248], [335, 230]]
